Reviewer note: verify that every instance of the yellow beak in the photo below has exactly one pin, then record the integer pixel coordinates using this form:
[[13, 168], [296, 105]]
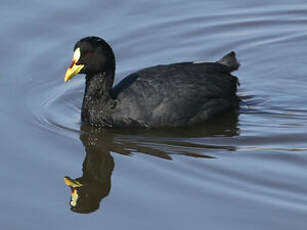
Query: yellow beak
[[72, 71]]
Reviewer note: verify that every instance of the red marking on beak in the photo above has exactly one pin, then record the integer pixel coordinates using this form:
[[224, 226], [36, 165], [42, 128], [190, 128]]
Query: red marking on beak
[[72, 64]]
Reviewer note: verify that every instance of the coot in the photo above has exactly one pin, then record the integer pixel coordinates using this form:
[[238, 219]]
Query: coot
[[173, 95]]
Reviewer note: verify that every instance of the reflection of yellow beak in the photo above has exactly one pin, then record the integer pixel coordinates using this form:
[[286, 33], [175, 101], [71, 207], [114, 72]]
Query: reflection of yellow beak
[[71, 182], [74, 184], [72, 71]]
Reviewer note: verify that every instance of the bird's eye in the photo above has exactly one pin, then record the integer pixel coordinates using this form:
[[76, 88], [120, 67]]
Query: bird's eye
[[89, 53]]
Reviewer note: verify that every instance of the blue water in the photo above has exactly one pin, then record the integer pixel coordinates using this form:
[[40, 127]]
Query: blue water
[[242, 171]]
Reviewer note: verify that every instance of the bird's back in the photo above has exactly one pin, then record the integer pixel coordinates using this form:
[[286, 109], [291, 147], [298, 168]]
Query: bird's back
[[175, 95]]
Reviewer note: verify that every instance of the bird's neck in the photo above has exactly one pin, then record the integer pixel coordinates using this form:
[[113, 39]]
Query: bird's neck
[[97, 95], [98, 86]]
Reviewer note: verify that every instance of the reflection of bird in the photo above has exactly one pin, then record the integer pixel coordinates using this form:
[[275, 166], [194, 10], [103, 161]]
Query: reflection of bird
[[95, 183], [180, 94]]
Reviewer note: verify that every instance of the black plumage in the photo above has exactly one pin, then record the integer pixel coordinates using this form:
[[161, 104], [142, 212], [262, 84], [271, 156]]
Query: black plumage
[[180, 94]]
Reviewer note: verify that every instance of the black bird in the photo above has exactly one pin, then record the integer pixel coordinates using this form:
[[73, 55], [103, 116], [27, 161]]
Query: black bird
[[174, 95]]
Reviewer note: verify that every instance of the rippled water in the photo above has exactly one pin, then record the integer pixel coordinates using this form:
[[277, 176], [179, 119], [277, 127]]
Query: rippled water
[[245, 170]]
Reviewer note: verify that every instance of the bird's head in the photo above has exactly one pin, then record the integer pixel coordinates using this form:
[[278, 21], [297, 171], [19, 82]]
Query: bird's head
[[92, 55]]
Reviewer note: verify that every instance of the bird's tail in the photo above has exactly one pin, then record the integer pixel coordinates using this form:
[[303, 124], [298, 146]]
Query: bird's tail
[[230, 61]]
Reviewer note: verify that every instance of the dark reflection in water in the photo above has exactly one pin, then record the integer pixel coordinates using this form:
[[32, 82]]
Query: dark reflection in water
[[95, 183], [88, 190]]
